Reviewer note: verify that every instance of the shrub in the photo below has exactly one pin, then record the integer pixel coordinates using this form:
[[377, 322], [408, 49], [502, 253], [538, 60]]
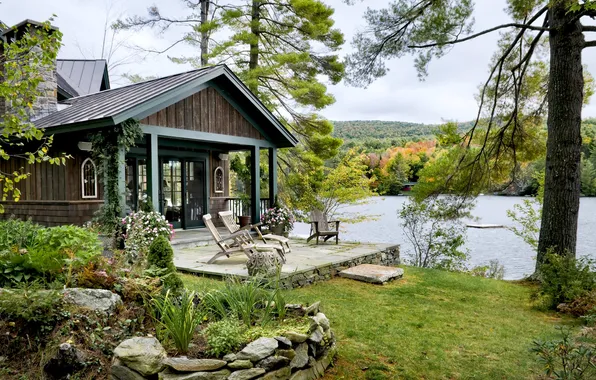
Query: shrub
[[565, 279], [224, 336], [250, 301], [178, 316], [565, 358], [142, 228], [94, 277], [435, 230], [16, 234], [493, 270], [30, 304], [53, 254], [160, 261]]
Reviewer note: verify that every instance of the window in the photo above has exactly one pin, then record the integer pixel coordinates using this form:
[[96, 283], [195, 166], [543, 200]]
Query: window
[[218, 180], [89, 179]]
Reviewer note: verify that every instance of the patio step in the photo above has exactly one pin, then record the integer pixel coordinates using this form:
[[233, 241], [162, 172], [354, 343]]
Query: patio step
[[191, 242]]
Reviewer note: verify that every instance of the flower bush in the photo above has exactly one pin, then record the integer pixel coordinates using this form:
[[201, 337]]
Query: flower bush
[[278, 216], [141, 229]]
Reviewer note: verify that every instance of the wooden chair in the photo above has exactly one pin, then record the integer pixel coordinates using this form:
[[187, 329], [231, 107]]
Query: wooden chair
[[319, 227], [228, 220], [238, 243]]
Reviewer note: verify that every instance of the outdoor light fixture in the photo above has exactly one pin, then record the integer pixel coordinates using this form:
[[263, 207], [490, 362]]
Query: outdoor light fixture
[[223, 156], [84, 146]]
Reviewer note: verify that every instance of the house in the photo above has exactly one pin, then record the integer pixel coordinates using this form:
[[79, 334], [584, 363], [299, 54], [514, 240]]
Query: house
[[190, 121]]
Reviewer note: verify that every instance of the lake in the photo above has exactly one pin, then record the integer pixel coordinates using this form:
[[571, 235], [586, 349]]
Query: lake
[[484, 244]]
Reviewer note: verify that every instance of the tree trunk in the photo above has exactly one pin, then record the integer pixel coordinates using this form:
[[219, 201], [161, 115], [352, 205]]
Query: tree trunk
[[204, 34], [254, 44], [563, 152]]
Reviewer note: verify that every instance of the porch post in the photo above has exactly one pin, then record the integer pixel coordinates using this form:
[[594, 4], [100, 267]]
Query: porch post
[[122, 180], [272, 175], [153, 170], [255, 184]]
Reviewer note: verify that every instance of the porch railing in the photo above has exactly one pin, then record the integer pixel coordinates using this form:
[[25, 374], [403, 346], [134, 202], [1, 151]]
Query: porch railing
[[235, 205]]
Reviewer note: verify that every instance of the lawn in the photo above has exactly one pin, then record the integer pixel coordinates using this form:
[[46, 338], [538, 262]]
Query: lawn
[[430, 325]]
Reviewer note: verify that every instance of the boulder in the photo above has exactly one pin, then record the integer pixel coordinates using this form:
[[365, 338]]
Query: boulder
[[295, 337], [67, 360], [229, 357], [284, 342], [118, 371], [144, 355], [289, 353], [322, 321], [94, 299], [271, 363], [317, 335], [246, 374], [301, 358], [259, 349], [313, 309], [375, 274], [280, 374], [221, 374], [183, 364], [240, 364]]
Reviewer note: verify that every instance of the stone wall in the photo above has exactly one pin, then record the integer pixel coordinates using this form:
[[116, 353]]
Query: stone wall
[[293, 356], [387, 257]]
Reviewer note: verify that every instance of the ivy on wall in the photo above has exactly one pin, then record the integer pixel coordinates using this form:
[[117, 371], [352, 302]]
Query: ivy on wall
[[106, 147]]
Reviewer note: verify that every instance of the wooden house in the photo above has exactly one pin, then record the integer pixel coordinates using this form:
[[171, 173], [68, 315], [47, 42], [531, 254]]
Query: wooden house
[[190, 121]]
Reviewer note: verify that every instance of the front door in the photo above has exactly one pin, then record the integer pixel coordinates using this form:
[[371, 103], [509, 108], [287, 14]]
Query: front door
[[183, 191]]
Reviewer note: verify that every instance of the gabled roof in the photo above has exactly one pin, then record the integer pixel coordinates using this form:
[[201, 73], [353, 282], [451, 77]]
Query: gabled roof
[[77, 77], [138, 100]]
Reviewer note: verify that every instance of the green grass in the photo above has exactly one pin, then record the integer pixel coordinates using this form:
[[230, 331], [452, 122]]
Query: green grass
[[430, 325]]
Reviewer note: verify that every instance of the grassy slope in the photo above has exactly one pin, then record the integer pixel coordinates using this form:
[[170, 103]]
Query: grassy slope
[[431, 325]]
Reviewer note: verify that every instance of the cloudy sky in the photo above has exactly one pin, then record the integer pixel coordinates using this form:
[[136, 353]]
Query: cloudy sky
[[447, 94]]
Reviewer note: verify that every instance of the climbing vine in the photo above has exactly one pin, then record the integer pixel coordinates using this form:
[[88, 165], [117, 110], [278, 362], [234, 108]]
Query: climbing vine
[[106, 148]]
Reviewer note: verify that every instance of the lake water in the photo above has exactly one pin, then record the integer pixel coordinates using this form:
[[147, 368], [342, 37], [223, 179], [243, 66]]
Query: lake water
[[484, 244]]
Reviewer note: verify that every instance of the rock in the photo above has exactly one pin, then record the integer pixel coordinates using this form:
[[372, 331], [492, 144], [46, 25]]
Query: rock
[[240, 364], [284, 342], [144, 355], [122, 372], [301, 358], [295, 310], [290, 354], [94, 299], [67, 360], [222, 374], [375, 274], [295, 337], [230, 357], [271, 363], [259, 349], [246, 374], [280, 374], [317, 335], [322, 321], [313, 309], [183, 364]]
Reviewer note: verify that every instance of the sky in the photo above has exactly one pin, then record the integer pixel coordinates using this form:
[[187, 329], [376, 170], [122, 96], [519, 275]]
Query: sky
[[448, 93]]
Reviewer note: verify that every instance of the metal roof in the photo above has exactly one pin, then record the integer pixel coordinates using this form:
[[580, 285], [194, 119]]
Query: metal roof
[[138, 100], [82, 77]]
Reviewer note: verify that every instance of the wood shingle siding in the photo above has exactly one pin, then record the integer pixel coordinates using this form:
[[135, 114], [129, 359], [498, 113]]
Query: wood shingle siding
[[205, 111]]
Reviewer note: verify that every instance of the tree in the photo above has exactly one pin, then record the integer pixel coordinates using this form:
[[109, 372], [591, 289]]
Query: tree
[[427, 28], [281, 50], [23, 63]]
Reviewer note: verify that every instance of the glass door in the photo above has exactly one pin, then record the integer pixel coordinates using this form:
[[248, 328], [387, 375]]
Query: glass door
[[171, 191], [194, 193]]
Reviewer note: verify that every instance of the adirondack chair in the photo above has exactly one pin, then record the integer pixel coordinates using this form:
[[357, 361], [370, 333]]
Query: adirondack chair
[[238, 243], [227, 218], [319, 227]]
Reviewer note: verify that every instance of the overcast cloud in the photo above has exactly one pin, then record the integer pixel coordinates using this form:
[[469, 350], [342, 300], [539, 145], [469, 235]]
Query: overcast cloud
[[447, 94]]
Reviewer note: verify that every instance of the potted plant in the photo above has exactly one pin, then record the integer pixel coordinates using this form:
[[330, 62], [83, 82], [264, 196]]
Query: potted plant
[[279, 219], [244, 217]]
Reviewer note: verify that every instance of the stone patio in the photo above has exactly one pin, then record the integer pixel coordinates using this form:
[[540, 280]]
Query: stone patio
[[306, 264]]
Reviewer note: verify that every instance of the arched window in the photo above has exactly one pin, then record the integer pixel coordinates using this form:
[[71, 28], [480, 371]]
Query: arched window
[[89, 179], [218, 180]]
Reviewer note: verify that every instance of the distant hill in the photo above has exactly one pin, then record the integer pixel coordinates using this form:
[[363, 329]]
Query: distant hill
[[378, 134]]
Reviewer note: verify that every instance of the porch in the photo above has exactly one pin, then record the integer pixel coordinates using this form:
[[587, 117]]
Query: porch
[[306, 264]]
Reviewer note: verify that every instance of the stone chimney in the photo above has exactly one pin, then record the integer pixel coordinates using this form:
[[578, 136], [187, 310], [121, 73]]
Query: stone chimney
[[47, 101]]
